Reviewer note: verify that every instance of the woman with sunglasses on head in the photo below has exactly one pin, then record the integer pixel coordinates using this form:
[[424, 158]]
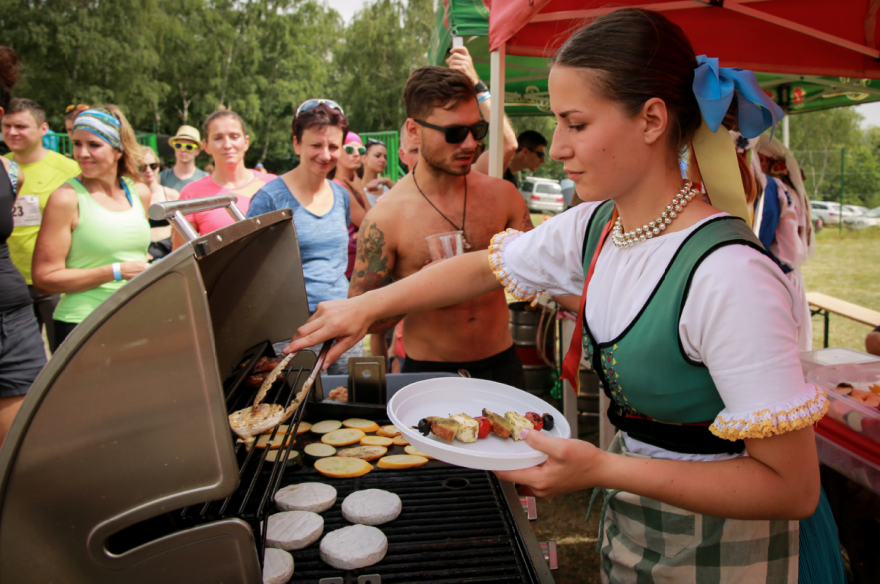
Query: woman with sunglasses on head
[[227, 141], [375, 163], [321, 207], [346, 174], [713, 475], [95, 232], [160, 231]]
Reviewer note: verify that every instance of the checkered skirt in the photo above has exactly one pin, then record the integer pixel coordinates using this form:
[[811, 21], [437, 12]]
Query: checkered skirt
[[646, 541]]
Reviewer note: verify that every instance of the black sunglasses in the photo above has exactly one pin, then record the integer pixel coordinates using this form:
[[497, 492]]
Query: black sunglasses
[[154, 166], [458, 134], [538, 152]]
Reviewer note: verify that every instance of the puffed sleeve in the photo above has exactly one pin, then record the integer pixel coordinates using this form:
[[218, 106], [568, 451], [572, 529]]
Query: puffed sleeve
[[741, 319], [546, 259]]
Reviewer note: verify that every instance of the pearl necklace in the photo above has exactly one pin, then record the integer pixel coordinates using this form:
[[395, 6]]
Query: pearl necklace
[[645, 232]]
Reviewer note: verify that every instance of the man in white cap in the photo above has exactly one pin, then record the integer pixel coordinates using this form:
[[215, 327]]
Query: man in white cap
[[187, 145]]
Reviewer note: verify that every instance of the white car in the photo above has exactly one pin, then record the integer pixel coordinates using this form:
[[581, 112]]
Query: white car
[[869, 219], [543, 194], [855, 209], [826, 211]]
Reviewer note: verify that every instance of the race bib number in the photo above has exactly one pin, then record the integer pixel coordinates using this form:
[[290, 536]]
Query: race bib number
[[26, 211]]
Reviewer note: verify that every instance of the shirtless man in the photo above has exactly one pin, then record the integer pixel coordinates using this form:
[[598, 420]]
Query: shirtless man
[[442, 194]]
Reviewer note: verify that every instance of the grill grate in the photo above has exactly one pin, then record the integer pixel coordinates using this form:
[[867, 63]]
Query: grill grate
[[455, 526]]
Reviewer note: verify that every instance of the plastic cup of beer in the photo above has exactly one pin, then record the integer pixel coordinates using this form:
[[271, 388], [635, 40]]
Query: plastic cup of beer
[[445, 245]]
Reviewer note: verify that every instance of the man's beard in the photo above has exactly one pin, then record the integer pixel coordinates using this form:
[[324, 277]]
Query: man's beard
[[442, 165]]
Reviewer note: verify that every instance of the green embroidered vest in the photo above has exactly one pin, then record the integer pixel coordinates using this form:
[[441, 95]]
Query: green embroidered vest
[[658, 394]]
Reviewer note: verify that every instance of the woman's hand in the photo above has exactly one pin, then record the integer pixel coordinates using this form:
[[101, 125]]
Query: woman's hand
[[131, 269], [572, 465], [346, 321]]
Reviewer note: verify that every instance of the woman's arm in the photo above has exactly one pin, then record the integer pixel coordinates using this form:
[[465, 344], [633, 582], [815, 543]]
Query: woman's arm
[[51, 276], [357, 210], [778, 480], [448, 282]]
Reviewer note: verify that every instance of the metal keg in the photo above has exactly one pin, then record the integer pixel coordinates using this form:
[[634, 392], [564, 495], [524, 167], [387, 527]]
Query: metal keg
[[524, 322]]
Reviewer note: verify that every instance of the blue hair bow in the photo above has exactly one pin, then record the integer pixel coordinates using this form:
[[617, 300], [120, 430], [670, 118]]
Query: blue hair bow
[[714, 87]]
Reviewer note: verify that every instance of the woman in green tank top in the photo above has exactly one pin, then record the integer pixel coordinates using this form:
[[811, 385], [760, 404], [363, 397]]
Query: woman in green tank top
[[95, 231]]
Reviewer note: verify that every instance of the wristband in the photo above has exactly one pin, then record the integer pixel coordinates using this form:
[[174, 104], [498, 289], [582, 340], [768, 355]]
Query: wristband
[[117, 272], [483, 97]]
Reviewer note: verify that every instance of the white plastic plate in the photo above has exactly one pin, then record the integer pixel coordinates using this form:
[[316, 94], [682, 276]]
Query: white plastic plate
[[451, 395]]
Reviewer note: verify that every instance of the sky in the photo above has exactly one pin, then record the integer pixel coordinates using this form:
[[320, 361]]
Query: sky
[[871, 111]]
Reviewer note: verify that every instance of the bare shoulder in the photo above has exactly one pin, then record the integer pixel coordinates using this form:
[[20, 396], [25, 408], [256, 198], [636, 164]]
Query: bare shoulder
[[171, 194], [494, 186], [63, 198], [6, 162]]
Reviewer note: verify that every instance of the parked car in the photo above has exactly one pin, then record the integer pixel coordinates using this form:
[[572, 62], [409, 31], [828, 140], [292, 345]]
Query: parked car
[[855, 209], [828, 212], [543, 194], [869, 219]]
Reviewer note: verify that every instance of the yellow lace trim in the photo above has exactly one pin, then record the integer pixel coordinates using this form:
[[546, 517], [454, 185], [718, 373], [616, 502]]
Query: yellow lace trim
[[806, 409], [496, 262]]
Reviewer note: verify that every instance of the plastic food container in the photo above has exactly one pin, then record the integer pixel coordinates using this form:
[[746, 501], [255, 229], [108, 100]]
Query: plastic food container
[[849, 464], [812, 360], [848, 411]]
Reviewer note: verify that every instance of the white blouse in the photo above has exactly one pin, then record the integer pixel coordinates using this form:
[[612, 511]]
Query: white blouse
[[740, 318]]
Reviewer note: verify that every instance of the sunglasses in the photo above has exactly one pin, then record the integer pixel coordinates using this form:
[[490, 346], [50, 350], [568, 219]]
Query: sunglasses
[[538, 152], [185, 146], [352, 149], [458, 134], [154, 166], [313, 103], [78, 107]]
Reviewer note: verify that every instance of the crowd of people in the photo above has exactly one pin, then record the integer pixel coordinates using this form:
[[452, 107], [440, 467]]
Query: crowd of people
[[715, 463]]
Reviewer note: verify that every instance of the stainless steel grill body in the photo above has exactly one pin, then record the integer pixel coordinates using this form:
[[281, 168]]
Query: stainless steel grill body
[[128, 421]]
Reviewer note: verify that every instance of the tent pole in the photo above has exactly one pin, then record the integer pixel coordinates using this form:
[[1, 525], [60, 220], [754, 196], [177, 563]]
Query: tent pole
[[496, 116], [786, 132]]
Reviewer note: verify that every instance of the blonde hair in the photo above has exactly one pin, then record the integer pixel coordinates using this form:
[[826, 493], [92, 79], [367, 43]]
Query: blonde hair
[[132, 155]]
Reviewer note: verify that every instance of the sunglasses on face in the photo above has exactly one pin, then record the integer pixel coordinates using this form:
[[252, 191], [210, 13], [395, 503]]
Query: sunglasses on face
[[313, 103], [538, 152], [352, 149], [458, 134], [80, 107], [154, 166], [185, 146]]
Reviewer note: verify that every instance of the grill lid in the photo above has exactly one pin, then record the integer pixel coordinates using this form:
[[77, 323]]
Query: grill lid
[[128, 421]]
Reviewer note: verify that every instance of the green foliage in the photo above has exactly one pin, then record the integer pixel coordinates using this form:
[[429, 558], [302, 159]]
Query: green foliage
[[170, 62], [817, 140]]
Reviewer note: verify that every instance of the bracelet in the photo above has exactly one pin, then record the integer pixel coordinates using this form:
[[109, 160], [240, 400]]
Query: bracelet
[[483, 97], [117, 272]]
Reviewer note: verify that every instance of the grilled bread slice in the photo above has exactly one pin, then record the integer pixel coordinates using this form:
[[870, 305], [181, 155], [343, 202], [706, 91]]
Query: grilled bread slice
[[445, 428], [467, 429], [500, 426], [519, 423]]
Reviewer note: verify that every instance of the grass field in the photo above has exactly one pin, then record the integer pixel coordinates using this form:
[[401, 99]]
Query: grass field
[[848, 268]]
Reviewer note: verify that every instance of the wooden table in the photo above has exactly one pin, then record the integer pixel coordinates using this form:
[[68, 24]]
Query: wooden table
[[825, 305]]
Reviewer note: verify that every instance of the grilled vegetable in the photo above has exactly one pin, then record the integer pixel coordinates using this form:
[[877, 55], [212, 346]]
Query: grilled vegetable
[[485, 427], [536, 420], [424, 426], [548, 422]]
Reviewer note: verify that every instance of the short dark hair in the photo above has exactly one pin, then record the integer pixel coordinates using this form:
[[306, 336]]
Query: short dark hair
[[431, 87], [221, 114], [319, 116], [530, 139], [20, 104]]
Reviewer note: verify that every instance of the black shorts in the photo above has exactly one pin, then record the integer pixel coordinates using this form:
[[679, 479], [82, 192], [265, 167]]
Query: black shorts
[[505, 367], [22, 354]]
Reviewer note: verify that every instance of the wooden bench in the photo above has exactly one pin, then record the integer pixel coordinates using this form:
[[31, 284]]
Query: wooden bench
[[825, 305]]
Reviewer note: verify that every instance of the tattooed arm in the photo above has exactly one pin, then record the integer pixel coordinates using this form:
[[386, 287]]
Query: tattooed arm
[[518, 217], [372, 268]]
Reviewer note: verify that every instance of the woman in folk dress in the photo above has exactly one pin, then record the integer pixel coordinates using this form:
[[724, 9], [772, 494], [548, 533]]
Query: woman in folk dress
[[713, 476]]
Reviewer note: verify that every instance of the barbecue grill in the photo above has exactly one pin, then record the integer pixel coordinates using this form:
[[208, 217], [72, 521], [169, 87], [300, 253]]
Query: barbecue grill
[[121, 466]]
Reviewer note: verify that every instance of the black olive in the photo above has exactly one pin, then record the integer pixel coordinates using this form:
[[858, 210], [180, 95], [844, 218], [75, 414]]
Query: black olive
[[548, 421], [424, 426]]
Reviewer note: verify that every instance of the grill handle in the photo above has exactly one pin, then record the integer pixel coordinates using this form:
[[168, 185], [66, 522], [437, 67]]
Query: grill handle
[[174, 212]]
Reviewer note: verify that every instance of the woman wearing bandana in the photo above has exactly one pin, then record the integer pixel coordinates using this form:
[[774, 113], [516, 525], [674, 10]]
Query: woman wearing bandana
[[95, 231], [713, 475]]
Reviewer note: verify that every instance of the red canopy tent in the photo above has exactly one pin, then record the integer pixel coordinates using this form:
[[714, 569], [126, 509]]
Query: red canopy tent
[[787, 37]]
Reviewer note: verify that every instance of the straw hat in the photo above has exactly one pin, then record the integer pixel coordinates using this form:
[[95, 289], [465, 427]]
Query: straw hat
[[185, 133]]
